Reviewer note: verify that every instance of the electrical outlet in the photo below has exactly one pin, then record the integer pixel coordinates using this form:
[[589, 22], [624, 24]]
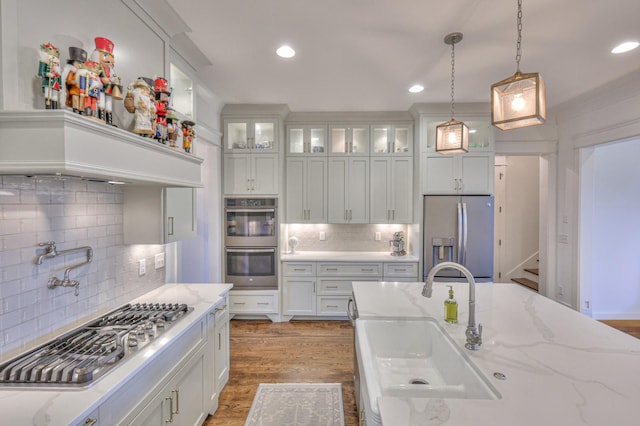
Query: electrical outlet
[[323, 236], [563, 239], [159, 259], [142, 267], [560, 290], [378, 236]]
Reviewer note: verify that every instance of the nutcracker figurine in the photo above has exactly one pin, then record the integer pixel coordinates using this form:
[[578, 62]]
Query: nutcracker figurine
[[138, 101], [172, 127], [75, 84], [162, 104], [111, 88], [188, 134], [49, 72], [90, 71]]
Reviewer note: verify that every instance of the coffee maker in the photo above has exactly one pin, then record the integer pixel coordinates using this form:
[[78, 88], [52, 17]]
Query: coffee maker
[[397, 244]]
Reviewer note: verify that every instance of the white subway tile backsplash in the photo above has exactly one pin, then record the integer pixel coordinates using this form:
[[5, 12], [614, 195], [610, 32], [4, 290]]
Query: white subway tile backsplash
[[72, 213]]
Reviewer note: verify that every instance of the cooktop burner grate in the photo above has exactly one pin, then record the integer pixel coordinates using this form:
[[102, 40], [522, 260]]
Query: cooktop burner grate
[[84, 354]]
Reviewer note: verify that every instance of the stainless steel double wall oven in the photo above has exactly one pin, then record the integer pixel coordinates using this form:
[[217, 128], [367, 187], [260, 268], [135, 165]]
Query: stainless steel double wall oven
[[251, 243]]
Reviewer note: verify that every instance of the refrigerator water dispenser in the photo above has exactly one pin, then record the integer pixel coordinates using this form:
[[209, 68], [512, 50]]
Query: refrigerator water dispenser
[[442, 250]]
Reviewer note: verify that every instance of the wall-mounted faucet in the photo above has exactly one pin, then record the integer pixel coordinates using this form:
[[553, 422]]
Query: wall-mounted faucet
[[51, 252], [473, 333]]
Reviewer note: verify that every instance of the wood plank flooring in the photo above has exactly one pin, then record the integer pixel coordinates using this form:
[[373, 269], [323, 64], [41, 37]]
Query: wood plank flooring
[[288, 352], [631, 327]]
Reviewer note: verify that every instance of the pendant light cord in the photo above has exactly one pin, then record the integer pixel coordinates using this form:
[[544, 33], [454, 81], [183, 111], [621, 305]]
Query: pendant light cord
[[519, 42], [453, 69]]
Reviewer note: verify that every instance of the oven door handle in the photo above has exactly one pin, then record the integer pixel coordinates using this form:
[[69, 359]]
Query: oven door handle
[[251, 210], [266, 250]]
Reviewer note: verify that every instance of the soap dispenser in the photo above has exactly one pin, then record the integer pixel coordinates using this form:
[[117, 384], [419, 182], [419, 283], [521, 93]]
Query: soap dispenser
[[451, 308]]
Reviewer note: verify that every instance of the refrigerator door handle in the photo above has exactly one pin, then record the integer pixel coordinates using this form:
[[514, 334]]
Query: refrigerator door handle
[[460, 235], [465, 224]]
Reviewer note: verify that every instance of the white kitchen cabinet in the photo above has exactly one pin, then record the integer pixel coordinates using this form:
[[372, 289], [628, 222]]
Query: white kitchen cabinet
[[352, 139], [181, 401], [348, 189], [299, 296], [401, 271], [154, 215], [221, 347], [306, 139], [392, 139], [469, 174], [244, 135], [255, 302], [391, 197], [306, 190], [251, 174]]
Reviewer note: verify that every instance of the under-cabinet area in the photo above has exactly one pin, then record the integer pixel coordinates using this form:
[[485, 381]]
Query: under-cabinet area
[[174, 378]]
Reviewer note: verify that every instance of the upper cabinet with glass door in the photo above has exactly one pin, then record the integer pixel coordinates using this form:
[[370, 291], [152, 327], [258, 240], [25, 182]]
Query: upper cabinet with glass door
[[349, 139], [392, 139], [303, 139], [250, 135]]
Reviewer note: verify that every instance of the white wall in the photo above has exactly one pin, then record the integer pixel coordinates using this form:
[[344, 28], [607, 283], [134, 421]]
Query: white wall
[[611, 259]]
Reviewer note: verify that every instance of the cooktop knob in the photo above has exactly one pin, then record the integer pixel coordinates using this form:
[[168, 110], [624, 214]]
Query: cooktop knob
[[132, 340]]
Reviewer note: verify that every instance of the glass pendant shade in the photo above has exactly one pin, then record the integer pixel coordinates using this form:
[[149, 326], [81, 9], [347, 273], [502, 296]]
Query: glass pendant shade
[[452, 137], [518, 101]]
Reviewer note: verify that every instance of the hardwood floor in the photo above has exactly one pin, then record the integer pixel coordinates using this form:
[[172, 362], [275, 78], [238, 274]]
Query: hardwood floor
[[631, 327], [288, 352]]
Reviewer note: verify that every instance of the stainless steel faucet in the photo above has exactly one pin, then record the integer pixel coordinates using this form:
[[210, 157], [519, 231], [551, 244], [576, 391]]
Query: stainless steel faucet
[[473, 333], [51, 252]]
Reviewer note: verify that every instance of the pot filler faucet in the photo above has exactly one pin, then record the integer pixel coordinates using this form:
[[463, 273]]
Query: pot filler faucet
[[473, 333], [51, 252]]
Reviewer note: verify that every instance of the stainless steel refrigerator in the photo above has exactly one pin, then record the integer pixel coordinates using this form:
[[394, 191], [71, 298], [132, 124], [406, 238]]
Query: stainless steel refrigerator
[[459, 229]]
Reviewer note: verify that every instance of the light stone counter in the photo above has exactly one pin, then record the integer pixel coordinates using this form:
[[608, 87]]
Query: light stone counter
[[562, 367], [41, 406], [345, 256]]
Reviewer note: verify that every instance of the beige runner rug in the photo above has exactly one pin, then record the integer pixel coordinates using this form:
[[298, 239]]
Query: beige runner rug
[[297, 404]]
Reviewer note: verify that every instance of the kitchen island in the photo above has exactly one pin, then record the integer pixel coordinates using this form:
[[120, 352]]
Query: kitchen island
[[128, 392], [561, 367]]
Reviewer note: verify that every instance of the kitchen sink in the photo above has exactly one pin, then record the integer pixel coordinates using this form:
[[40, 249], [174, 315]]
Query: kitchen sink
[[416, 358]]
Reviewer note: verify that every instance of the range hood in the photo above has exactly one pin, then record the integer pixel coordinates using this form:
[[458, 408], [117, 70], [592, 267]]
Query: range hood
[[62, 143]]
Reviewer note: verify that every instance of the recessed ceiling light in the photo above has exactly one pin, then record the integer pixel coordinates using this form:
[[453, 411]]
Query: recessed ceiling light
[[472, 130], [416, 88], [286, 51], [625, 47]]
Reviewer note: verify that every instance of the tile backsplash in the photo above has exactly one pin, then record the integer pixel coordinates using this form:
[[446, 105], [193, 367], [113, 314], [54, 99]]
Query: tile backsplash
[[347, 237], [73, 213]]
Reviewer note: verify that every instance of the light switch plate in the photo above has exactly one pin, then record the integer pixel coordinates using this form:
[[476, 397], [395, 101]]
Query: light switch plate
[[159, 260], [142, 267], [323, 236], [378, 236]]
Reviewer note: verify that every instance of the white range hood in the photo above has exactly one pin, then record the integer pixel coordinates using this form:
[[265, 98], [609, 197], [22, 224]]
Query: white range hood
[[60, 142]]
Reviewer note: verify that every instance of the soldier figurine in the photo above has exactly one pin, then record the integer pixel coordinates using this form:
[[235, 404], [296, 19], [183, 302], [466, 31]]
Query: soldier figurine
[[172, 127], [188, 134], [90, 70], [76, 85], [103, 54], [162, 103], [49, 72]]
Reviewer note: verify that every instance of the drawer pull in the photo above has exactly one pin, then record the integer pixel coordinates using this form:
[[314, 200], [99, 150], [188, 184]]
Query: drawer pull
[[367, 269], [332, 269], [299, 269], [90, 422], [239, 303], [263, 303], [400, 269], [332, 286], [332, 306]]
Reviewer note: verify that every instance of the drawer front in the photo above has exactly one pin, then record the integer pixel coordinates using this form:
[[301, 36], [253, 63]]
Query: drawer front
[[358, 269], [257, 303], [334, 286], [298, 268], [401, 270], [332, 305]]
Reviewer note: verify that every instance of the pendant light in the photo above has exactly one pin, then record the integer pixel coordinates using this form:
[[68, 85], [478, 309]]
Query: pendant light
[[520, 100], [452, 137]]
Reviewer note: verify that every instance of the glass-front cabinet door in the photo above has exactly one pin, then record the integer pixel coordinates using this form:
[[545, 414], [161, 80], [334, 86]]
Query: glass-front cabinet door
[[244, 135], [307, 139], [391, 139], [349, 139]]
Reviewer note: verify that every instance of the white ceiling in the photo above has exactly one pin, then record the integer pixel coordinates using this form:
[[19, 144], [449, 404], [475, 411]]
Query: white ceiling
[[363, 55]]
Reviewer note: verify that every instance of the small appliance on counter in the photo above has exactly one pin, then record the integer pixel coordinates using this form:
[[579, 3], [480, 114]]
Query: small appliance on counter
[[397, 244], [293, 243]]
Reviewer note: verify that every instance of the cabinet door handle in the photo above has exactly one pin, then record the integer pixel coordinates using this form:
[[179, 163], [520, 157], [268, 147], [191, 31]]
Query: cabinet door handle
[[219, 341], [170, 225], [393, 215], [170, 419], [90, 422], [350, 214], [177, 392], [461, 185]]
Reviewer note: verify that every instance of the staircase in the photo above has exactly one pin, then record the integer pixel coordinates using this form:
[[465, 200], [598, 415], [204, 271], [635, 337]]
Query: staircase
[[528, 281]]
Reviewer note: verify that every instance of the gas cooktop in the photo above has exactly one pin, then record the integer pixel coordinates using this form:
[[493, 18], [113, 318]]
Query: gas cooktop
[[83, 355]]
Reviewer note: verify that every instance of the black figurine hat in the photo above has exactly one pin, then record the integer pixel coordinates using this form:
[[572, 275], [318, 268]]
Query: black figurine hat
[[150, 82], [188, 123], [77, 54]]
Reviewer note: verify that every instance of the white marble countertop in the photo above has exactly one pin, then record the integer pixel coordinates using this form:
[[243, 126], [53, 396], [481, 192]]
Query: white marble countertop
[[345, 256], [562, 367], [41, 406]]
